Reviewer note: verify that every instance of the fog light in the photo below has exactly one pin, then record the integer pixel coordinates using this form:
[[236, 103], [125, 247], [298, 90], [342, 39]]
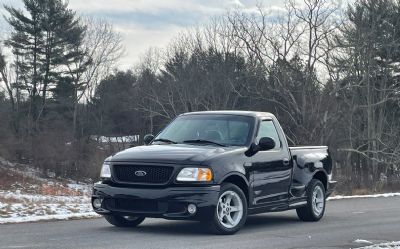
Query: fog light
[[192, 208], [97, 203]]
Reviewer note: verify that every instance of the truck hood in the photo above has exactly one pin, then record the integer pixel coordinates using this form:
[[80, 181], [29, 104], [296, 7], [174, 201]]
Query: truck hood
[[170, 153]]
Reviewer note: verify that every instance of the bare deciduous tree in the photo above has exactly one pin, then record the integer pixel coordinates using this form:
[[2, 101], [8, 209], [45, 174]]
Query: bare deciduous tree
[[102, 47]]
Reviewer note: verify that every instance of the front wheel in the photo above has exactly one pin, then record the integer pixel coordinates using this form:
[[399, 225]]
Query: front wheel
[[124, 221], [315, 208], [231, 211]]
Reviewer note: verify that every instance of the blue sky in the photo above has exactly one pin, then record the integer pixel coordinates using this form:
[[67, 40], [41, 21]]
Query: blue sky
[[151, 23]]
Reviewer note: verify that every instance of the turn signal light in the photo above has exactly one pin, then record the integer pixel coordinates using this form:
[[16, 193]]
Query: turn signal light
[[205, 175]]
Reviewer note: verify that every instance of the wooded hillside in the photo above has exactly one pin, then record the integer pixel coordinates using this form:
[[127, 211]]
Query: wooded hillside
[[331, 74]]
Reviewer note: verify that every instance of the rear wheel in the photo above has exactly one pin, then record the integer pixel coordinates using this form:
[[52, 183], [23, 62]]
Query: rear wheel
[[315, 208], [231, 211], [124, 221]]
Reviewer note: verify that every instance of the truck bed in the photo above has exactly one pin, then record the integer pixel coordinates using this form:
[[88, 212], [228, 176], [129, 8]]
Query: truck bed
[[307, 159], [315, 156]]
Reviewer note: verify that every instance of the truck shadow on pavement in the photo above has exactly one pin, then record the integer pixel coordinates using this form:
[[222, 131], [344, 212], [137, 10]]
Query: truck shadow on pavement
[[263, 221]]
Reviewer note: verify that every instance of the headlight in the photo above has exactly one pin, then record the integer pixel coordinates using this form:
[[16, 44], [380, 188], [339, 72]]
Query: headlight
[[195, 175], [105, 171]]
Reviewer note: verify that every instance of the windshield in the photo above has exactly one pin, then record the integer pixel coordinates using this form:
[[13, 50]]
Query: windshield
[[227, 130]]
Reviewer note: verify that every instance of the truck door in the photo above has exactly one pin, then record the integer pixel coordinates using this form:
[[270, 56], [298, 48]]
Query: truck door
[[270, 170]]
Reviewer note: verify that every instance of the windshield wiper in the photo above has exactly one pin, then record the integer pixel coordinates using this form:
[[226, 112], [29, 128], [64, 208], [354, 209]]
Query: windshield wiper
[[165, 140], [202, 141]]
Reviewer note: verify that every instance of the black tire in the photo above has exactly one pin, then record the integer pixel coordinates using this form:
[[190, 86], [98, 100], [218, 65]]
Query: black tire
[[308, 213], [215, 225], [121, 221]]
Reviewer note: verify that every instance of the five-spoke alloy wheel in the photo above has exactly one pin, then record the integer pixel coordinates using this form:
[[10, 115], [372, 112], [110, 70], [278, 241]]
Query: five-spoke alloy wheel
[[315, 208], [318, 200], [231, 211]]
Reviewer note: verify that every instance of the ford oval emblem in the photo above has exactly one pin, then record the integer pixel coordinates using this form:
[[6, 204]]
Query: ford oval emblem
[[140, 173]]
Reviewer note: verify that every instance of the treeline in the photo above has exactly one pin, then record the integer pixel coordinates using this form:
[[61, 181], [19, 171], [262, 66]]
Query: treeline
[[50, 65], [330, 75]]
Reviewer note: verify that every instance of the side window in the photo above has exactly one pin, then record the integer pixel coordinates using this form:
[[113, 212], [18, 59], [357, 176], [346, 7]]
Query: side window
[[267, 129]]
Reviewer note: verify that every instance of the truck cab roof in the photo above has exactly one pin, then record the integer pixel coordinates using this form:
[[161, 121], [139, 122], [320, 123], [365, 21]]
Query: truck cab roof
[[233, 112]]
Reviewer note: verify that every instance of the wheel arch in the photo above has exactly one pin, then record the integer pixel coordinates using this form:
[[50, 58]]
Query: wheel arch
[[239, 180], [322, 176]]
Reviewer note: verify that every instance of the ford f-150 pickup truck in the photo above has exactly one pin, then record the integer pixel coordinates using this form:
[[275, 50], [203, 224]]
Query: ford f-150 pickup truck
[[216, 167]]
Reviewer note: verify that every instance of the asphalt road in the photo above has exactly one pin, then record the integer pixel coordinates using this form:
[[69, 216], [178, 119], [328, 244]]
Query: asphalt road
[[373, 219]]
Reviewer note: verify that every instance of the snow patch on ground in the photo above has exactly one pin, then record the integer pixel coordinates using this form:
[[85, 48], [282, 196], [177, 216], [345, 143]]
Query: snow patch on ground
[[26, 198], [389, 245], [15, 208], [362, 241], [83, 188], [340, 197], [70, 216], [27, 195]]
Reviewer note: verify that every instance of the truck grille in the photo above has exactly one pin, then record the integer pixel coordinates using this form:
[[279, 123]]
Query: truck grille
[[142, 174]]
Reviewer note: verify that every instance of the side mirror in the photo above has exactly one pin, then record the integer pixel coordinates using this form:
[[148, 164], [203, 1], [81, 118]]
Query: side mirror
[[266, 143], [148, 138]]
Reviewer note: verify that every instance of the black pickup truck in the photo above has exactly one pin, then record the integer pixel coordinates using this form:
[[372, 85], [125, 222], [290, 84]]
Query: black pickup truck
[[216, 167]]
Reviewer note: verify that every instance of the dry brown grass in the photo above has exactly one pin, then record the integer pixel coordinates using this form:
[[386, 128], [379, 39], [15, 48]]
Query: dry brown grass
[[56, 189], [5, 212], [360, 191], [9, 200], [12, 180]]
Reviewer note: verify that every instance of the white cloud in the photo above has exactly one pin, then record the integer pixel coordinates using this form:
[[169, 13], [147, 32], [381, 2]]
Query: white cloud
[[148, 23], [153, 6], [236, 3], [138, 39], [153, 23]]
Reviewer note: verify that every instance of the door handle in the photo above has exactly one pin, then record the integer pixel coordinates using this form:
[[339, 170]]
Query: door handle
[[286, 162], [247, 164]]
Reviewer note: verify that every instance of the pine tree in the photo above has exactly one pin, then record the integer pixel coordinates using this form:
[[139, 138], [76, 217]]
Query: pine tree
[[26, 41], [370, 84], [44, 38]]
